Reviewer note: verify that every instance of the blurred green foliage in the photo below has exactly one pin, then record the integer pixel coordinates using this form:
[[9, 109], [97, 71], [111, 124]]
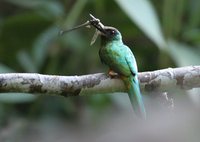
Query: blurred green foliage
[[161, 33]]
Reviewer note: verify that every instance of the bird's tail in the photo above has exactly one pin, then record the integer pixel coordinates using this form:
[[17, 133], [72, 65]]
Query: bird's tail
[[135, 96]]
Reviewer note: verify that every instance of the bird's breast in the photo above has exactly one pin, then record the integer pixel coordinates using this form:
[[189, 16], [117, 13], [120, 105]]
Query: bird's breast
[[114, 57]]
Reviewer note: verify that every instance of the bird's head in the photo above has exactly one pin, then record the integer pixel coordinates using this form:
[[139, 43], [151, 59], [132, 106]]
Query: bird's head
[[106, 33], [110, 33]]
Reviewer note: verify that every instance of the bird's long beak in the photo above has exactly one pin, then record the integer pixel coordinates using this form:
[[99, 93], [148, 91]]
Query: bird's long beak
[[99, 29], [97, 24]]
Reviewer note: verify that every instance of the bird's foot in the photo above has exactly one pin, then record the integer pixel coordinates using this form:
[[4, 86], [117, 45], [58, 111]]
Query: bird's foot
[[113, 74]]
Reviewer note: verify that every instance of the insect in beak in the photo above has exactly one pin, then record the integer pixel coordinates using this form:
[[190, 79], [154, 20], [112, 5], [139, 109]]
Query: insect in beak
[[95, 36], [86, 24], [93, 22]]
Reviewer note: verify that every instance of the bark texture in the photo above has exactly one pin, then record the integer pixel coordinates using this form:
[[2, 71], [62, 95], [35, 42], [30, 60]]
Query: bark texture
[[164, 80]]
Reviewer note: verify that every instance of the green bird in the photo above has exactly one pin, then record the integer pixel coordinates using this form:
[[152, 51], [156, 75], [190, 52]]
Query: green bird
[[120, 59]]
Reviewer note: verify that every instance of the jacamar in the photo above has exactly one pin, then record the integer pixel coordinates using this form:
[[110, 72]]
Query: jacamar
[[120, 59]]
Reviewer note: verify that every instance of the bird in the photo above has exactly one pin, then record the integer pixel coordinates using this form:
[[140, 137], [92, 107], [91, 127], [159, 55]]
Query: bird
[[120, 59]]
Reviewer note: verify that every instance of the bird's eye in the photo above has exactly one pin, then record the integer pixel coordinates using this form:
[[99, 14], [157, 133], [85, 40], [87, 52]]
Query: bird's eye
[[112, 32]]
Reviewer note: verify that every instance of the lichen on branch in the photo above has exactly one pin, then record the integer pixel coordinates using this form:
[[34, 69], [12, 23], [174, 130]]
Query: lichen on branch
[[183, 78]]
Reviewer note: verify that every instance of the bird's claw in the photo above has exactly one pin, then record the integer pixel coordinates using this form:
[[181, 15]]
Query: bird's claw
[[113, 74]]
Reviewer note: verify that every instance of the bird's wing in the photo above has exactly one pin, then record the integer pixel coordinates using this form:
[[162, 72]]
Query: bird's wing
[[120, 59], [130, 60]]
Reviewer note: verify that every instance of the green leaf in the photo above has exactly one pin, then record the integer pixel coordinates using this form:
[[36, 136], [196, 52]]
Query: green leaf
[[26, 62], [194, 10], [74, 13], [5, 69], [51, 9], [26, 3], [183, 55], [16, 97], [48, 9], [192, 35], [172, 19], [42, 44], [143, 14]]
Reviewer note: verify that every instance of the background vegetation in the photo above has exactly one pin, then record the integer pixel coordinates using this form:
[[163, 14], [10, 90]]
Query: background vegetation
[[161, 33]]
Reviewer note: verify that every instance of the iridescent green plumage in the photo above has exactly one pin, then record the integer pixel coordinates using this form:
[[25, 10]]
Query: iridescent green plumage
[[121, 60]]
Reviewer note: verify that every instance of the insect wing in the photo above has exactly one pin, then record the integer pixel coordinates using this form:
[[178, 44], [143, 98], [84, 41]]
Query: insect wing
[[95, 36]]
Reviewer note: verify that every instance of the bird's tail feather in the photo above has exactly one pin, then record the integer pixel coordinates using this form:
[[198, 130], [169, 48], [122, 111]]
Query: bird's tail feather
[[135, 96]]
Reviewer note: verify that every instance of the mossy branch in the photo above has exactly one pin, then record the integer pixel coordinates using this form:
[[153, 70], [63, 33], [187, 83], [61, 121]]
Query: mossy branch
[[183, 78]]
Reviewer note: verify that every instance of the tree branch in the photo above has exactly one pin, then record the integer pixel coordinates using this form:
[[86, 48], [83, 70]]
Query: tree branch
[[184, 78]]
